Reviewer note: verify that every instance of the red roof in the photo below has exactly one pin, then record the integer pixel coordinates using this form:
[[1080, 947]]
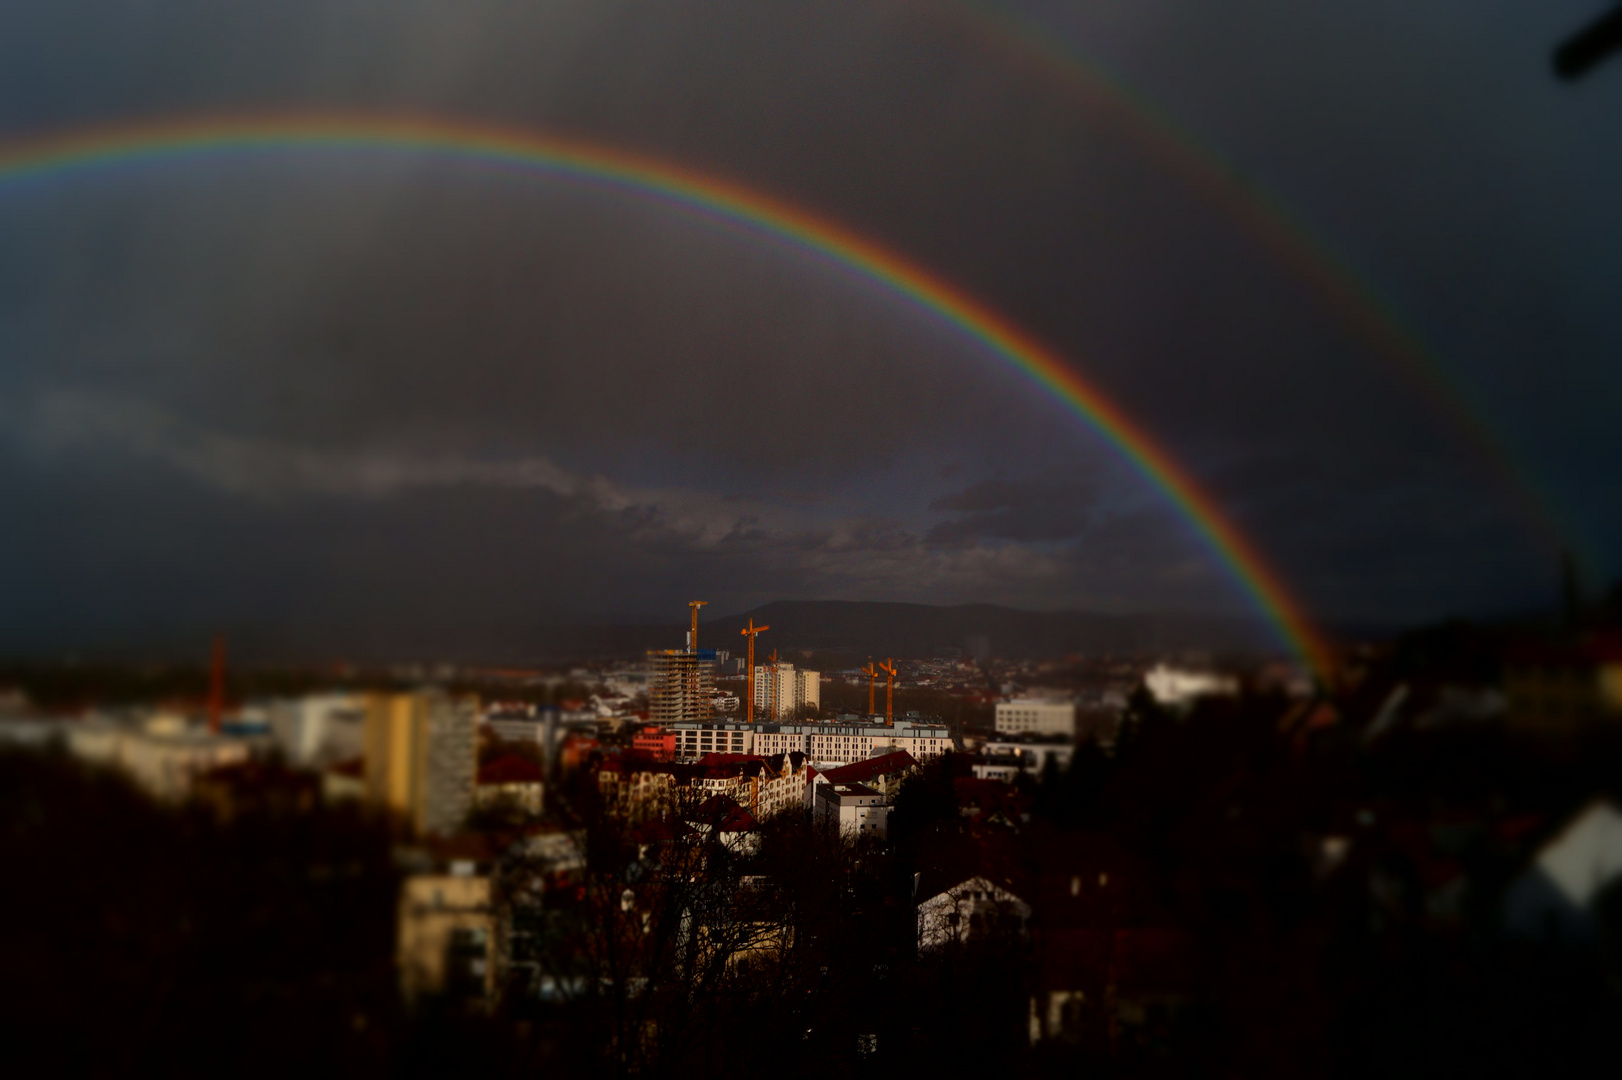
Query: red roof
[[861, 772], [728, 759], [511, 769]]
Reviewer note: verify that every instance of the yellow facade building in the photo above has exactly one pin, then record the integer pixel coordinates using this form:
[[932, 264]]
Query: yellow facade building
[[419, 751]]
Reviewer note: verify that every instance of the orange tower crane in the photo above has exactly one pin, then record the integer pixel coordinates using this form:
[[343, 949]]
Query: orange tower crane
[[888, 667], [749, 684], [692, 638], [872, 674]]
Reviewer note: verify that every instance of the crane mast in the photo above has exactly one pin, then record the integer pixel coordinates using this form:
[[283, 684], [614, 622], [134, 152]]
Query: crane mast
[[888, 667], [749, 632], [692, 636]]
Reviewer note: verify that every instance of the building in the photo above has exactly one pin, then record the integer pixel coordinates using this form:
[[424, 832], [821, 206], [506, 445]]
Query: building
[[729, 824], [967, 886], [781, 693], [544, 726], [779, 784], [884, 774], [639, 788], [856, 809], [512, 781], [1042, 717], [166, 755], [972, 907], [318, 729], [808, 690], [681, 685], [1004, 768], [445, 933], [695, 739], [840, 743], [1033, 751], [1564, 691], [658, 743], [420, 758]]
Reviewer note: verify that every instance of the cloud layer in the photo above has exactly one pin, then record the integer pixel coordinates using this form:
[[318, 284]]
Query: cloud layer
[[269, 387]]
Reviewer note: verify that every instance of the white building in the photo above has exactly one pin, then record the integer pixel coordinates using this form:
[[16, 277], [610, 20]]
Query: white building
[[695, 739], [884, 774], [318, 729], [168, 754], [1005, 767], [1041, 717], [1179, 687], [857, 809], [969, 908], [842, 743], [808, 689], [1033, 753], [780, 691]]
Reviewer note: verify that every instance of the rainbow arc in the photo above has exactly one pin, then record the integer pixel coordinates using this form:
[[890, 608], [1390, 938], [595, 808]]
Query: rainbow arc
[[531, 153]]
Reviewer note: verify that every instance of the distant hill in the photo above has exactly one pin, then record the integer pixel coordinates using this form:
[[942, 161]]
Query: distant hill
[[916, 630], [925, 630]]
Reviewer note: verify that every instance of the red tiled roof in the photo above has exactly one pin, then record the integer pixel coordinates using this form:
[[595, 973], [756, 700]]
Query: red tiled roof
[[511, 769], [861, 772]]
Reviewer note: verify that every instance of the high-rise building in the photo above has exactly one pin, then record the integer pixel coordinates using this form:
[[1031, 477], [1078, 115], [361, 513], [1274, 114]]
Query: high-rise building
[[420, 758], [808, 690], [781, 692], [681, 686]]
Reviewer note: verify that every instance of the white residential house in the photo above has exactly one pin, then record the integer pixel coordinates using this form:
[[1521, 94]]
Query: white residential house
[[857, 809], [973, 907]]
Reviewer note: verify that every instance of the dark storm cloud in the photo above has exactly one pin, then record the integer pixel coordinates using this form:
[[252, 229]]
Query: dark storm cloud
[[399, 392], [1016, 510]]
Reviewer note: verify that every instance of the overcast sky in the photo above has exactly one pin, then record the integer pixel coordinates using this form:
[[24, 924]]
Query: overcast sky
[[381, 401]]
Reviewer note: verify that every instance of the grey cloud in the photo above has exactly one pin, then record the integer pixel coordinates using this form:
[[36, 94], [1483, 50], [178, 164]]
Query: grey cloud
[[567, 397], [1017, 510]]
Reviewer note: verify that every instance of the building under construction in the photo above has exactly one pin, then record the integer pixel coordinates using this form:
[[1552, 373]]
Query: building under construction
[[681, 685]]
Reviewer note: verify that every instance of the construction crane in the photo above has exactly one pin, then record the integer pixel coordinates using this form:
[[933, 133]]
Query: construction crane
[[773, 691], [216, 684], [872, 674], [749, 684], [888, 667], [692, 637]]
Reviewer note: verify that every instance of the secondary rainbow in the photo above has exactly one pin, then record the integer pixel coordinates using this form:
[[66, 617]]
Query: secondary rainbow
[[717, 199], [1262, 216]]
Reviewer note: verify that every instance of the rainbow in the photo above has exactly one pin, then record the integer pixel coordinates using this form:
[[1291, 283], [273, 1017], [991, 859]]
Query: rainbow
[[1263, 217], [530, 153]]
